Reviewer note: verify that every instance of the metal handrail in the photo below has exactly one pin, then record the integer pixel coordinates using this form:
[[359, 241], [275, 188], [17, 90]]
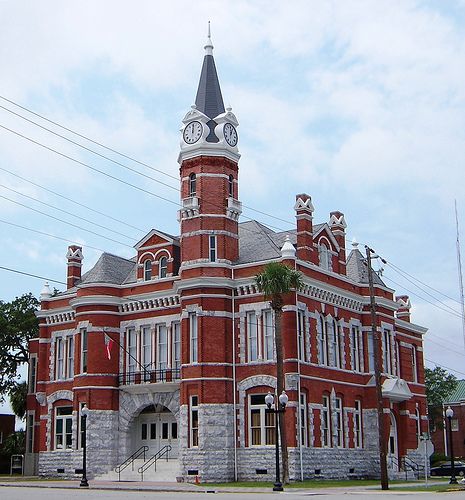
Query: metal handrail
[[150, 376], [407, 462], [153, 459], [130, 460]]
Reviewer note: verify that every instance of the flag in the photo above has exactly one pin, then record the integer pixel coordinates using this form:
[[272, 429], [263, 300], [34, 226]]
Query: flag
[[108, 344]]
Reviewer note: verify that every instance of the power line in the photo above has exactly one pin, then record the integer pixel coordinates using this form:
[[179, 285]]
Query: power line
[[64, 221], [443, 366], [109, 149], [32, 275], [402, 272], [66, 212], [450, 311], [43, 233], [73, 201], [90, 150], [88, 166]]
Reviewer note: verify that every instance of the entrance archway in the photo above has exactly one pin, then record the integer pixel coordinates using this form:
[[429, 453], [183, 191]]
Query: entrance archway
[[155, 427], [393, 456]]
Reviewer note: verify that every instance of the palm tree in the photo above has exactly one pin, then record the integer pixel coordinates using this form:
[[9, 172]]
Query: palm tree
[[274, 282]]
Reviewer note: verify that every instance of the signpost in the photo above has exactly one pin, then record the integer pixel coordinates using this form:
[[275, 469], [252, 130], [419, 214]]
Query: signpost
[[427, 448]]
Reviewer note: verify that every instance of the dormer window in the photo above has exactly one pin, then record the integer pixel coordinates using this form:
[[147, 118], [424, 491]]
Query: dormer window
[[147, 270], [162, 267], [325, 256], [231, 186], [192, 185]]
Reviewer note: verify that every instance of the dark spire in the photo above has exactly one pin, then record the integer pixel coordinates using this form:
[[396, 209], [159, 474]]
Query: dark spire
[[209, 99]]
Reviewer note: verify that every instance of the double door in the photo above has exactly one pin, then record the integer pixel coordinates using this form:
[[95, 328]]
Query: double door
[[157, 430]]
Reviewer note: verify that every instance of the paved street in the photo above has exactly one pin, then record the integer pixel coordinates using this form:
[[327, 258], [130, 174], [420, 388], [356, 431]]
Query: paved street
[[55, 493]]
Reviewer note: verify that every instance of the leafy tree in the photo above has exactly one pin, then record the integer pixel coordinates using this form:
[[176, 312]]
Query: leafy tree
[[440, 384], [275, 281], [15, 444], [18, 397], [18, 324]]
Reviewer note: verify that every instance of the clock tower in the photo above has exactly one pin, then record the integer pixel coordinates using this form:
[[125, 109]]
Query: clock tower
[[209, 216], [208, 161]]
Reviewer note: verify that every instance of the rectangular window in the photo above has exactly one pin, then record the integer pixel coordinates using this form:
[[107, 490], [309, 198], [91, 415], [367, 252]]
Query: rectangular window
[[358, 443], [30, 433], [194, 422], [83, 332], [333, 332], [261, 422], [303, 419], [176, 336], [325, 423], [59, 359], [339, 423], [212, 250], [387, 354], [162, 347], [301, 335], [132, 350], [32, 374], [371, 351], [322, 341], [454, 424], [143, 432], [153, 431], [252, 336], [414, 364], [268, 335], [69, 357], [146, 351], [355, 348], [63, 427], [193, 327]]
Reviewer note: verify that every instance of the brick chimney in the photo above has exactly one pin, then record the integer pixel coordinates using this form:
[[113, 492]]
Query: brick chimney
[[75, 258], [304, 215], [404, 307], [338, 225]]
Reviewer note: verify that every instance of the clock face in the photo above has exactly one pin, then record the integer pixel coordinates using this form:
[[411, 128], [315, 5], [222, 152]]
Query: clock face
[[230, 134], [193, 132]]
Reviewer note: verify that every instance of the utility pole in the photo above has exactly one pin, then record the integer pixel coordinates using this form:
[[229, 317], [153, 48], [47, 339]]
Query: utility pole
[[379, 395]]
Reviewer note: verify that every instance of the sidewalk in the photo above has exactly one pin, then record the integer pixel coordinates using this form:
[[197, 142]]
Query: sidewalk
[[188, 487]]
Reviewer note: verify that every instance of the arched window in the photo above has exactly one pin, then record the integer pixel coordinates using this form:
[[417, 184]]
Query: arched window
[[192, 185], [147, 270], [325, 256], [231, 186], [162, 267]]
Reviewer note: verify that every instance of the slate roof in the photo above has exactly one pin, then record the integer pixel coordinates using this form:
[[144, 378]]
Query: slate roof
[[458, 394], [209, 99], [256, 243], [357, 269], [109, 269]]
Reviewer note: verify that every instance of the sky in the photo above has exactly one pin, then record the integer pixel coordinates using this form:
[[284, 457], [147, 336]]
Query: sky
[[360, 104]]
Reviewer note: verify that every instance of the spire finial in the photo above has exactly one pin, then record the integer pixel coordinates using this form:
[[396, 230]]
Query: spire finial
[[209, 45]]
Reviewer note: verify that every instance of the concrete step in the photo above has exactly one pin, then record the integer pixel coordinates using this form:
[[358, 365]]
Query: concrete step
[[166, 471]]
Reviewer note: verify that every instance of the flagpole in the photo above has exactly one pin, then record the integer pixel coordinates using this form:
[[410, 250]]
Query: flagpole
[[126, 351]]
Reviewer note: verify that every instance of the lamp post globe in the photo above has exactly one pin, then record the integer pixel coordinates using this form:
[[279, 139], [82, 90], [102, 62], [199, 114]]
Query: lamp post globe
[[84, 413], [449, 415]]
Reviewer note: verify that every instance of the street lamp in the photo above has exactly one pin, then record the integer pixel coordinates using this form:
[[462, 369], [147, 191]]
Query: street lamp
[[280, 408], [449, 415], [84, 414]]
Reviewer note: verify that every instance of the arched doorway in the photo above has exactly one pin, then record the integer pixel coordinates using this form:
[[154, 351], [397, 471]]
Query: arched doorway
[[155, 427], [393, 457]]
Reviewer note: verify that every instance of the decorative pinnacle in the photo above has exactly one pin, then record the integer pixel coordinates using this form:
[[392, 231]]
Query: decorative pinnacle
[[209, 45]]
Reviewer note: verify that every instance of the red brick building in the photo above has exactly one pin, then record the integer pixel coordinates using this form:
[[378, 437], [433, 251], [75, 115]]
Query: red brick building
[[193, 339], [439, 434]]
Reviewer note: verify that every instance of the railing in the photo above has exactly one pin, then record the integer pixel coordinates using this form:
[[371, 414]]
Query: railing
[[150, 376], [409, 464], [130, 460], [153, 460]]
